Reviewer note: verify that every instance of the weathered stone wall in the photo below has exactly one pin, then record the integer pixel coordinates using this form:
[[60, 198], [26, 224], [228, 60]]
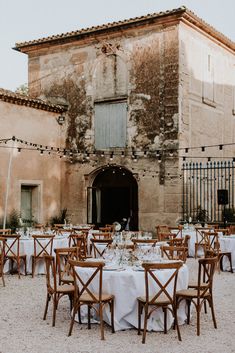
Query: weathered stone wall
[[206, 70], [141, 65]]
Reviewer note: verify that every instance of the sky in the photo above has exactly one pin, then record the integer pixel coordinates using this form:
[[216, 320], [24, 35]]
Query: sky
[[24, 20]]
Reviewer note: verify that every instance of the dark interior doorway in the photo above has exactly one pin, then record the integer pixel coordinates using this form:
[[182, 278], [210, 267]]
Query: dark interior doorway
[[113, 196]]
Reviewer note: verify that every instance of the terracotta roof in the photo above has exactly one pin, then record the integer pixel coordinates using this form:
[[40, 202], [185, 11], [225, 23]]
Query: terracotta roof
[[182, 12], [20, 99]]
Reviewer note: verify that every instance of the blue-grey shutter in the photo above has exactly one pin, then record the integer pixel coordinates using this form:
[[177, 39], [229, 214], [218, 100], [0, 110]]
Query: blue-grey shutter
[[110, 125]]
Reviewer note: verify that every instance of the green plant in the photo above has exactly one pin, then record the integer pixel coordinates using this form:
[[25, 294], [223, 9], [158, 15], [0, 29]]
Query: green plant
[[200, 214], [60, 218], [13, 220]]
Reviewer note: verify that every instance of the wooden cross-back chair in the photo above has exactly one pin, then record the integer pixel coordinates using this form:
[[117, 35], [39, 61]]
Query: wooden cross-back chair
[[2, 257], [213, 245], [99, 246], [201, 241], [166, 236], [12, 252], [139, 242], [176, 242], [55, 291], [79, 241], [42, 246], [174, 252], [107, 229], [177, 231], [83, 295], [63, 255], [102, 235], [5, 231], [163, 297], [162, 229], [203, 291]]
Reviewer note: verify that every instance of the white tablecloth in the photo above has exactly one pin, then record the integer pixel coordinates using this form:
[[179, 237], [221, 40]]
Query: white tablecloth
[[227, 244], [126, 286], [27, 248]]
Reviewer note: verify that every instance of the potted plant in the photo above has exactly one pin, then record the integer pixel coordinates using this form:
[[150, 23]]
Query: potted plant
[[201, 215]]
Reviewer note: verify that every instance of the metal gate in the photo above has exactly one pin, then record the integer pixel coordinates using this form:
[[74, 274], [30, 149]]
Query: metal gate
[[201, 183]]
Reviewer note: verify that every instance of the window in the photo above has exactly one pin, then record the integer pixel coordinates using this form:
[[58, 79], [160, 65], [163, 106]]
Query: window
[[30, 203], [110, 124]]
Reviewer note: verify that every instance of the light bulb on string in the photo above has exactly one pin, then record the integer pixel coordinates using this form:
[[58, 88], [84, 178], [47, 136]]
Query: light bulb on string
[[19, 150]]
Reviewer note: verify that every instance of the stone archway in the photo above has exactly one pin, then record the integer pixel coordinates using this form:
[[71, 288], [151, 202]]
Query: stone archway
[[113, 196]]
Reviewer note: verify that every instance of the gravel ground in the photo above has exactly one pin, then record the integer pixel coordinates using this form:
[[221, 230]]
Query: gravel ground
[[23, 330]]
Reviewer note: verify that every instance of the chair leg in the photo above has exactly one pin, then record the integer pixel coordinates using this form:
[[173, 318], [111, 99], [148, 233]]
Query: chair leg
[[176, 323], [213, 312], [25, 266], [89, 316], [46, 307], [33, 266], [188, 311], [198, 309], [165, 320], [18, 268], [55, 304], [76, 307], [139, 316], [230, 261], [145, 322], [101, 321], [112, 315]]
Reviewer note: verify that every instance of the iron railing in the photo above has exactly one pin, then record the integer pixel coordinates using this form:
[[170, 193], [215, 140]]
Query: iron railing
[[201, 183]]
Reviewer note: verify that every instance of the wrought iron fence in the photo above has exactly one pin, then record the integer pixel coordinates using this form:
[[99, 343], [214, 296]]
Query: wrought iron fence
[[201, 183]]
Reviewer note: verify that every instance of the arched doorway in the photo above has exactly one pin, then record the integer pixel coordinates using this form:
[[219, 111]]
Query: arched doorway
[[112, 197]]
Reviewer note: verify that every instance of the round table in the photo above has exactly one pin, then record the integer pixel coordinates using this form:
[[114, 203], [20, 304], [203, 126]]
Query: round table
[[128, 284]]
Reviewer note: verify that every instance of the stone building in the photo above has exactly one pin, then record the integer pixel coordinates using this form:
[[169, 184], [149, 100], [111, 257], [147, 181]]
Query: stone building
[[140, 94]]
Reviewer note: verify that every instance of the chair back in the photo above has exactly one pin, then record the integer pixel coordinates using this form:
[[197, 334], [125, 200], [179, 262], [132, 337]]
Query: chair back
[[99, 246], [50, 271], [2, 254], [82, 287], [163, 287], [12, 245], [177, 231], [5, 231], [206, 272], [212, 241], [42, 245], [176, 242], [174, 252], [201, 235], [139, 242], [162, 229], [107, 229], [80, 242], [63, 255], [102, 235], [166, 236]]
